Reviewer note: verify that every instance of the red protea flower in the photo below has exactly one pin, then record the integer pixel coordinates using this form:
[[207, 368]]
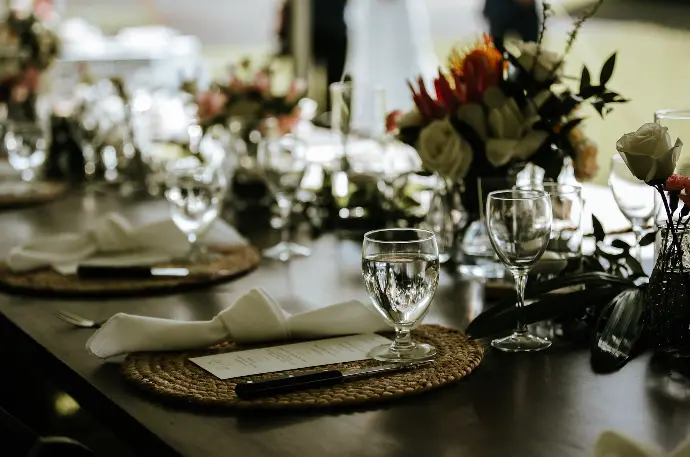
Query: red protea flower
[[428, 107], [392, 120]]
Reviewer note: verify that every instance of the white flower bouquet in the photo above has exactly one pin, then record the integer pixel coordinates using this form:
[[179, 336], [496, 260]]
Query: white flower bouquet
[[491, 114]]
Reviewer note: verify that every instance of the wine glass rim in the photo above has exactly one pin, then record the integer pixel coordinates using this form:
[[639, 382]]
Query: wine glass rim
[[531, 194], [561, 188], [673, 113], [429, 235]]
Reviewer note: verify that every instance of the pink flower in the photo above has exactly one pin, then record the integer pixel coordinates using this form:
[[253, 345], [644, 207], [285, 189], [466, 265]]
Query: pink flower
[[236, 84], [210, 104], [298, 88], [679, 183], [262, 82]]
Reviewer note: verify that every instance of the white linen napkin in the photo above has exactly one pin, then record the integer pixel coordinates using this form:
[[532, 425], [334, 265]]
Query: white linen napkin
[[613, 444], [113, 241], [254, 317]]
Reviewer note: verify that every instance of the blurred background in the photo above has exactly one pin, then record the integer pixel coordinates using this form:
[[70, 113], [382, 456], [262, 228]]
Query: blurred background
[[650, 36]]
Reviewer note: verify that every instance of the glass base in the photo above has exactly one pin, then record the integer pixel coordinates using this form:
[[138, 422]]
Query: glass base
[[285, 251], [521, 342], [483, 269], [418, 353]]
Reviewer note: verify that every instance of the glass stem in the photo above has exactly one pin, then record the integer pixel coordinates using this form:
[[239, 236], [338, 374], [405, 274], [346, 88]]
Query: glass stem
[[193, 246], [637, 230], [28, 175], [520, 283], [403, 340], [285, 207]]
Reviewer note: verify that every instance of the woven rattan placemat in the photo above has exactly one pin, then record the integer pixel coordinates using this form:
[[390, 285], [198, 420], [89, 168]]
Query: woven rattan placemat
[[171, 376], [43, 192], [233, 262]]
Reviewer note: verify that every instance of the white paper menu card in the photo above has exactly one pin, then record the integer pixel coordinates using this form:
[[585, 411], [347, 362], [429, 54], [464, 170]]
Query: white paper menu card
[[290, 356]]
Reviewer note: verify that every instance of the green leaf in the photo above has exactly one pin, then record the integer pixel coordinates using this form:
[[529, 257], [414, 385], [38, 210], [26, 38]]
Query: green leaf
[[634, 266], [585, 79], [607, 70], [620, 244], [599, 233], [651, 236]]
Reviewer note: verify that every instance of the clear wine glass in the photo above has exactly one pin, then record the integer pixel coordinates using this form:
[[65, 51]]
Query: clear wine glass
[[26, 146], [195, 194], [519, 225], [401, 269], [283, 163], [637, 201]]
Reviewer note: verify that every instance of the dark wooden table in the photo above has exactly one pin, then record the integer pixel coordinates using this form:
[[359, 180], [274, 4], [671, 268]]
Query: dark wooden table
[[548, 404]]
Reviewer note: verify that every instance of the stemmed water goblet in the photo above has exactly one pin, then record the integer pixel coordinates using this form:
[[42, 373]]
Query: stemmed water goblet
[[401, 270], [637, 201], [283, 162], [519, 226], [26, 146], [195, 193]]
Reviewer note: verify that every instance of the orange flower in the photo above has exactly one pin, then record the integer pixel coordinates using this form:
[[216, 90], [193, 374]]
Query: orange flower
[[477, 69], [585, 163], [471, 74]]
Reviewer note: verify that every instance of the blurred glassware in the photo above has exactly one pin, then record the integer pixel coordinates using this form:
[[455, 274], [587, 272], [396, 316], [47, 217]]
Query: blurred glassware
[[476, 257], [283, 163], [637, 201], [341, 111], [195, 194], [678, 123], [446, 217], [26, 144], [564, 252]]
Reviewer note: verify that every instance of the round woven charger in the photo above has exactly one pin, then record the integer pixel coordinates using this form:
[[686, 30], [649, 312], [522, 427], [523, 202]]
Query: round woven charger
[[44, 192], [233, 262], [171, 376]]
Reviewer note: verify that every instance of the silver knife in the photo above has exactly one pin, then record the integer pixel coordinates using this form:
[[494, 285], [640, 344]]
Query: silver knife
[[289, 383]]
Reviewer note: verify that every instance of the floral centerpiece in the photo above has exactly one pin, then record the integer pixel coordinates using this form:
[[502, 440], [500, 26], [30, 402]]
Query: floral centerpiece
[[27, 50], [651, 156], [249, 96], [489, 114]]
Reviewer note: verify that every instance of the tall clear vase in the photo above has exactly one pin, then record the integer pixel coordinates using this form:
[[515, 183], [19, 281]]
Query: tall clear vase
[[668, 294]]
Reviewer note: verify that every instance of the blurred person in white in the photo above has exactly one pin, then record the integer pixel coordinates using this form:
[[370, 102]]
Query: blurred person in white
[[389, 44]]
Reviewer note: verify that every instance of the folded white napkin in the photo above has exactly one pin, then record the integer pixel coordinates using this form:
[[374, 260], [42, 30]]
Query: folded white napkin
[[612, 444], [253, 317], [113, 241]]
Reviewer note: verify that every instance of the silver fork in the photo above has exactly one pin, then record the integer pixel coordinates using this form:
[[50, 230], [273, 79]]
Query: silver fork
[[78, 321]]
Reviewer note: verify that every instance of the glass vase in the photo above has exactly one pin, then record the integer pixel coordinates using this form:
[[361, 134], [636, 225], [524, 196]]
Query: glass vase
[[668, 293], [446, 216]]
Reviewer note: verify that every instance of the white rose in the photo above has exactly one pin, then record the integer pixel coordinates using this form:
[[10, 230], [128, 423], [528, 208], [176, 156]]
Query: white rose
[[547, 64], [649, 153], [443, 150]]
